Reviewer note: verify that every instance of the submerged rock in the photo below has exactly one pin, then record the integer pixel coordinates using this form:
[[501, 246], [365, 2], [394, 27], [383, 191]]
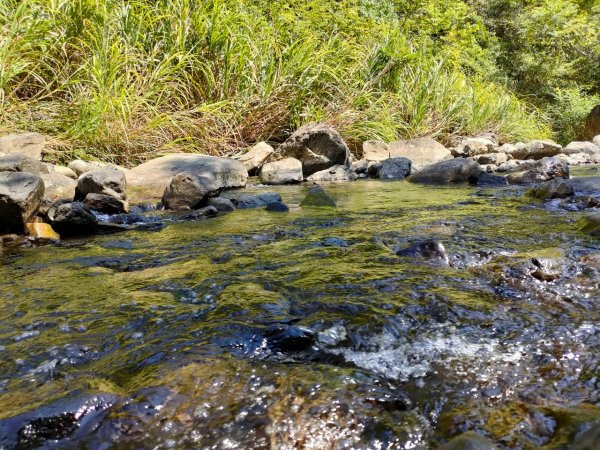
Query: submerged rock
[[246, 201], [395, 169], [428, 249], [277, 207], [452, 171], [590, 223], [317, 197], [285, 171], [189, 191], [21, 195], [198, 214]]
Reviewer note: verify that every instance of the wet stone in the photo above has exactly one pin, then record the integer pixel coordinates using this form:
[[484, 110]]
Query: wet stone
[[277, 207], [317, 197]]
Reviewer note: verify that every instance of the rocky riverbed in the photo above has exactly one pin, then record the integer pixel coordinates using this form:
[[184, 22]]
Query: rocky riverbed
[[455, 311]]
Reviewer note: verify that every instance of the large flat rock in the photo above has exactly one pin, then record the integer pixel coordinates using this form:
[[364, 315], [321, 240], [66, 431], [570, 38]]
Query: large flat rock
[[28, 144], [421, 152], [148, 181]]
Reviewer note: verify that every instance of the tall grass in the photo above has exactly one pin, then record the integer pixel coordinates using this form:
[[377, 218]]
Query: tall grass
[[127, 79]]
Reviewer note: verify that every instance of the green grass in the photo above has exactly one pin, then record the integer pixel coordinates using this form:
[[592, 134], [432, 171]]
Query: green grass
[[125, 80]]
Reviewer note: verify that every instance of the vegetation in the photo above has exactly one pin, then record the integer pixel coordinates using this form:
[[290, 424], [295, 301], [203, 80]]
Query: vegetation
[[126, 79]]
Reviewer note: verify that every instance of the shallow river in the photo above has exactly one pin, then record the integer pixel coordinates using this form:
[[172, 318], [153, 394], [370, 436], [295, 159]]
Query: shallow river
[[259, 330]]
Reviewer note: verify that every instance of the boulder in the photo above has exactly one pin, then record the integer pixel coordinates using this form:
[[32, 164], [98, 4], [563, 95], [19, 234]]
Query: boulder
[[21, 195], [395, 169], [316, 146], [148, 181], [375, 151], [544, 170], [596, 141], [66, 172], [508, 166], [469, 441], [106, 204], [373, 169], [476, 146], [334, 173], [575, 159], [491, 158], [256, 157], [58, 187], [198, 214], [427, 249], [485, 179], [40, 230], [360, 167], [317, 197], [108, 181], [285, 171], [556, 188], [72, 219], [535, 150], [421, 152], [452, 171], [189, 191], [592, 123], [221, 204], [247, 201], [581, 147], [277, 207], [17, 162], [28, 144], [79, 166]]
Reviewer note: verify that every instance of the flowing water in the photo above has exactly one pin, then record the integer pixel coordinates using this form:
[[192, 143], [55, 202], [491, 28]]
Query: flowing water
[[259, 330]]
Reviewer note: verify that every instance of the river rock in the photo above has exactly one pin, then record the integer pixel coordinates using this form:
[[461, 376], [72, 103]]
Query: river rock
[[256, 157], [189, 191], [536, 150], [360, 167], [106, 204], [575, 159], [21, 195], [221, 204], [28, 144], [247, 201], [40, 230], [544, 170], [72, 218], [66, 172], [316, 146], [590, 223], [58, 187], [199, 214], [317, 197], [592, 123], [277, 207], [79, 166], [485, 179], [476, 146], [452, 171], [148, 181], [107, 181], [427, 249], [421, 152], [581, 147], [394, 168], [373, 169], [334, 173], [375, 151], [285, 171], [556, 188], [491, 158], [17, 162], [469, 441]]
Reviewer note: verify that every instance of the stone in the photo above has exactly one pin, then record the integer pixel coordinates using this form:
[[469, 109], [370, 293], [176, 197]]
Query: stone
[[221, 204], [535, 150], [508, 166], [17, 162], [334, 173], [469, 441], [395, 168], [575, 159], [201, 213], [544, 170], [596, 141], [556, 188], [106, 204], [21, 195], [485, 179], [360, 167], [317, 197], [452, 171], [421, 152], [316, 146], [373, 169], [375, 151], [28, 144], [189, 191], [285, 171], [66, 172], [58, 187], [590, 223], [72, 219], [107, 180], [256, 157], [592, 123], [247, 201], [581, 147], [476, 146], [148, 181], [40, 230], [277, 207], [427, 249], [547, 269], [79, 166], [491, 158]]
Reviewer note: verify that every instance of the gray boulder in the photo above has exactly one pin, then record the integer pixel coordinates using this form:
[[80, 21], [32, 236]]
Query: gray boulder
[[476, 146], [28, 144], [360, 167], [318, 198], [491, 158], [421, 152], [395, 169], [375, 151], [72, 218], [334, 173], [544, 170], [247, 201], [581, 147], [485, 179], [285, 171], [107, 181], [452, 171], [316, 146], [79, 166], [106, 204], [148, 181], [535, 150], [17, 162], [189, 191], [58, 187], [21, 195], [66, 172], [373, 169], [256, 157], [556, 188], [221, 204]]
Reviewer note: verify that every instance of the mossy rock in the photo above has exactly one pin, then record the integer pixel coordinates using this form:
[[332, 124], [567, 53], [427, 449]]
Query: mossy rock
[[318, 198]]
